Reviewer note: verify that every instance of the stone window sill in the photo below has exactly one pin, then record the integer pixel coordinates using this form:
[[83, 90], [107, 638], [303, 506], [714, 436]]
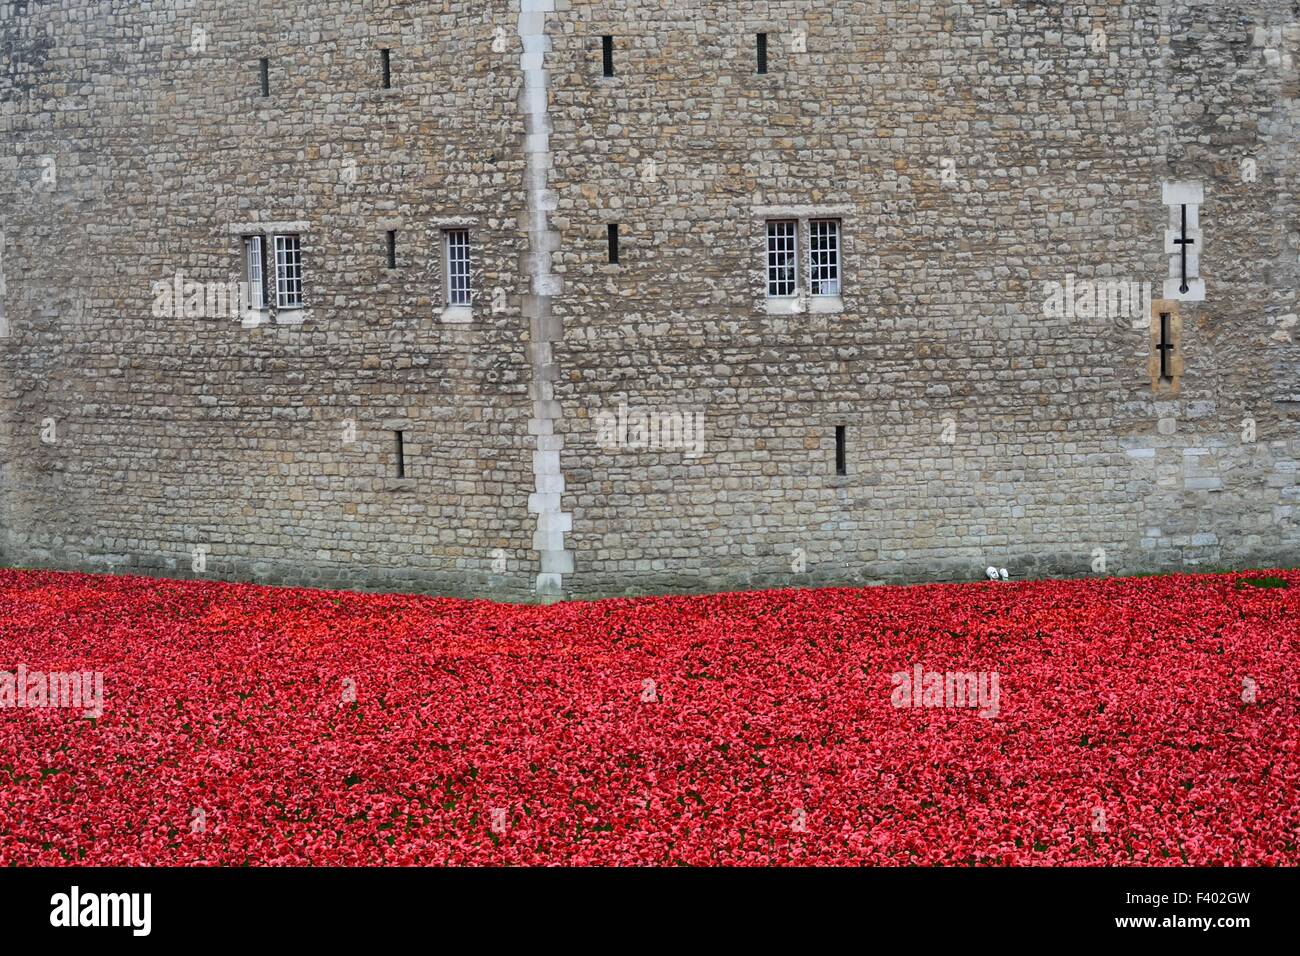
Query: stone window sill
[[457, 313], [798, 305], [785, 305], [255, 318], [825, 304]]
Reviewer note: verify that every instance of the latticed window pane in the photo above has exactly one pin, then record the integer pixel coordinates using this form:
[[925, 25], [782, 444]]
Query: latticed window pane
[[782, 259], [253, 269], [824, 256], [288, 272], [458, 267]]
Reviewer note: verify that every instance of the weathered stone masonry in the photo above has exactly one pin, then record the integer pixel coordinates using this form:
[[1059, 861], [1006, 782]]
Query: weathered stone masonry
[[972, 152]]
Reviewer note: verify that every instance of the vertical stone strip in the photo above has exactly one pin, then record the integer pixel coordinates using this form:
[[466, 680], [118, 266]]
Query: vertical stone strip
[[544, 328], [4, 319]]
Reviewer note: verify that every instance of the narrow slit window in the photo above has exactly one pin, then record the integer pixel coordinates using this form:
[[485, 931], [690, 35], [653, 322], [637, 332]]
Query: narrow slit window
[[457, 255], [607, 54], [386, 68], [761, 50], [400, 449], [782, 259], [392, 248], [824, 257], [613, 242], [264, 75], [1166, 347], [841, 450], [255, 271], [1184, 241], [288, 273], [1166, 360]]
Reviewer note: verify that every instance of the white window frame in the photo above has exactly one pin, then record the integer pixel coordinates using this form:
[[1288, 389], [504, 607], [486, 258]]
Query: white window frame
[[254, 260], [288, 271], [456, 271], [777, 233], [824, 276]]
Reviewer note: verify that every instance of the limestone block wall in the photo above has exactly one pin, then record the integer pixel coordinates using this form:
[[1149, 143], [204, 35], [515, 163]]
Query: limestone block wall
[[973, 153], [979, 431], [181, 433]]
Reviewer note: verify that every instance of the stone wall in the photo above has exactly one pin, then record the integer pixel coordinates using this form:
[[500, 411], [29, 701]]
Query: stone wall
[[974, 152]]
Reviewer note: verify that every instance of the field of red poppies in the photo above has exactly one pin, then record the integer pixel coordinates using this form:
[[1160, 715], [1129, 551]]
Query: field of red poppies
[[1122, 721]]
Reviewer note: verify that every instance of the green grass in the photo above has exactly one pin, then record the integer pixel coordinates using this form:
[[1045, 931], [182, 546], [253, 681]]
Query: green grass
[[1261, 583]]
